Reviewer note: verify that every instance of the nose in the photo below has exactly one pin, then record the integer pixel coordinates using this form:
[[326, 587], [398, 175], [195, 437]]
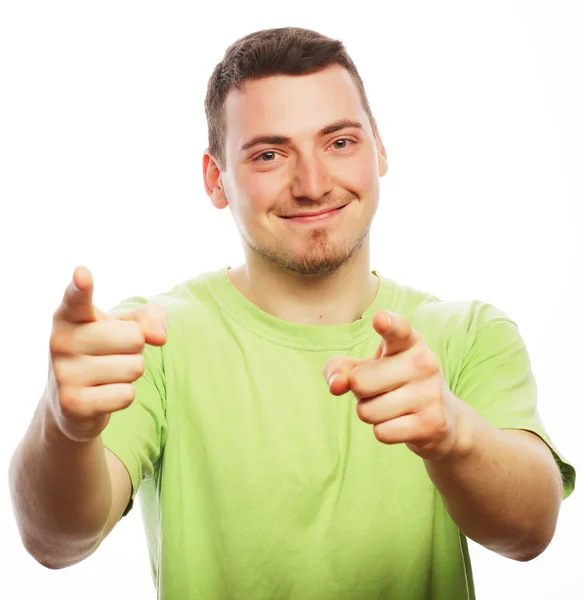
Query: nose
[[311, 178]]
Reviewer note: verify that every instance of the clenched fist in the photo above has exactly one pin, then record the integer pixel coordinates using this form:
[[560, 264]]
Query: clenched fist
[[95, 357]]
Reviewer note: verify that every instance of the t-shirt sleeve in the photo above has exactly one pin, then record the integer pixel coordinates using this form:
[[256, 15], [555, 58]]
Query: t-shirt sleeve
[[137, 433], [496, 379]]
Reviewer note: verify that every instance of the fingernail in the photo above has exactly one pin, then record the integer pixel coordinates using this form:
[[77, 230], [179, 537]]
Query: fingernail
[[158, 328], [332, 377]]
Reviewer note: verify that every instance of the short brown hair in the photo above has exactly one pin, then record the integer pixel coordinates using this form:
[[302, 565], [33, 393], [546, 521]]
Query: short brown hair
[[282, 51]]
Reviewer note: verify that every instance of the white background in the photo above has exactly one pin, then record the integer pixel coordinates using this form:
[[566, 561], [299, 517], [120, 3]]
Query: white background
[[102, 130]]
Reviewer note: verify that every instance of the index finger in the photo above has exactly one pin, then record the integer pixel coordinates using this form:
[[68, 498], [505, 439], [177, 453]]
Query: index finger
[[397, 333], [77, 305]]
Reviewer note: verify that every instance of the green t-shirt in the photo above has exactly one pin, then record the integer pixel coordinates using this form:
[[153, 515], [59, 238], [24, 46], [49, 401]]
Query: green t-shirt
[[255, 482]]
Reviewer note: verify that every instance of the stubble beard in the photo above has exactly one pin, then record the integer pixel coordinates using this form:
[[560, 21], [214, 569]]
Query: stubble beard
[[320, 256]]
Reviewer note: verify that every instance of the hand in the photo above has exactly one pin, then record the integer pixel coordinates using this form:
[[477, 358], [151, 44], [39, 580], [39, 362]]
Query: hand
[[95, 357], [402, 391]]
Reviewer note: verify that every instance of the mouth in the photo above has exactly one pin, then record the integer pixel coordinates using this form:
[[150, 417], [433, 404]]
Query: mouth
[[319, 216]]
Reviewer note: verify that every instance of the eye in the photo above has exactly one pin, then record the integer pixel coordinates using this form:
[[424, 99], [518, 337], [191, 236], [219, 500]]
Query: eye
[[260, 156], [344, 140]]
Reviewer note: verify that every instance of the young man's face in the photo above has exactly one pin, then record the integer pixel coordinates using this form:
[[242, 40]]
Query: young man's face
[[273, 180]]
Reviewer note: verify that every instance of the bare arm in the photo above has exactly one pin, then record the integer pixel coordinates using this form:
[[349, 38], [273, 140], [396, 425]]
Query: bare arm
[[502, 487], [67, 495], [121, 488], [67, 490]]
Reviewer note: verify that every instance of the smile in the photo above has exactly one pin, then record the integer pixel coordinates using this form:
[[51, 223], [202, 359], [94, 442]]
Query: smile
[[316, 218]]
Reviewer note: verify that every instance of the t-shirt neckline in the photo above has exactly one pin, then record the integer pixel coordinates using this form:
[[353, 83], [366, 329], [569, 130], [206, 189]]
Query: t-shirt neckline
[[285, 333]]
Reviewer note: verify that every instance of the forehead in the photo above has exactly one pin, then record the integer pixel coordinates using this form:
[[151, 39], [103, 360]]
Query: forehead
[[296, 106]]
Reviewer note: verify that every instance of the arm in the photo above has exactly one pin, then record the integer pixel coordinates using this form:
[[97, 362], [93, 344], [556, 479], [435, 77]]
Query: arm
[[67, 495], [501, 487], [67, 490]]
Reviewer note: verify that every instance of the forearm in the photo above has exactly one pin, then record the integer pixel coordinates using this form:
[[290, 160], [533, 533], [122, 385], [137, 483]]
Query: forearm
[[503, 490], [61, 493]]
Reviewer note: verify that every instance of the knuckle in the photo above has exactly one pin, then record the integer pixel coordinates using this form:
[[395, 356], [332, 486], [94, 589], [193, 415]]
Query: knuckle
[[71, 401], [60, 341], [137, 366], [378, 433], [434, 366], [432, 391], [355, 379], [61, 372], [425, 360], [134, 336], [439, 425], [363, 412], [129, 393], [435, 423], [125, 395]]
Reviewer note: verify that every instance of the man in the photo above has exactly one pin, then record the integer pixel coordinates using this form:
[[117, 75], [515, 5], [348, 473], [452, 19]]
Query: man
[[216, 398]]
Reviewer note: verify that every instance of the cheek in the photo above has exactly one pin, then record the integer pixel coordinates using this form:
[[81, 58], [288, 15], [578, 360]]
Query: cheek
[[263, 189], [360, 176], [255, 195], [258, 202]]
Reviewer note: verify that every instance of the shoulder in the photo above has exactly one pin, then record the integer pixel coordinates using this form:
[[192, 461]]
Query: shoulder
[[193, 316], [184, 301], [451, 322]]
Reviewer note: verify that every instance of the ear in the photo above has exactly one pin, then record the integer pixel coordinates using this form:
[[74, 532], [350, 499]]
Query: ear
[[213, 183], [382, 153]]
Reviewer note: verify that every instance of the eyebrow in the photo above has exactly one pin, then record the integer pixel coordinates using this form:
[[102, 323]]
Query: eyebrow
[[280, 139]]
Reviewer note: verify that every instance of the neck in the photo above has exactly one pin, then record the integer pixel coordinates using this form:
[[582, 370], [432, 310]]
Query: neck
[[336, 298]]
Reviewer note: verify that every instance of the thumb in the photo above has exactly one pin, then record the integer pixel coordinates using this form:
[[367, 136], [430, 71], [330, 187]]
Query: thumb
[[336, 372]]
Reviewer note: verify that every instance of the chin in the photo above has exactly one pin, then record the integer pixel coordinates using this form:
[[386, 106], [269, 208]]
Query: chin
[[316, 256], [319, 261], [315, 266]]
